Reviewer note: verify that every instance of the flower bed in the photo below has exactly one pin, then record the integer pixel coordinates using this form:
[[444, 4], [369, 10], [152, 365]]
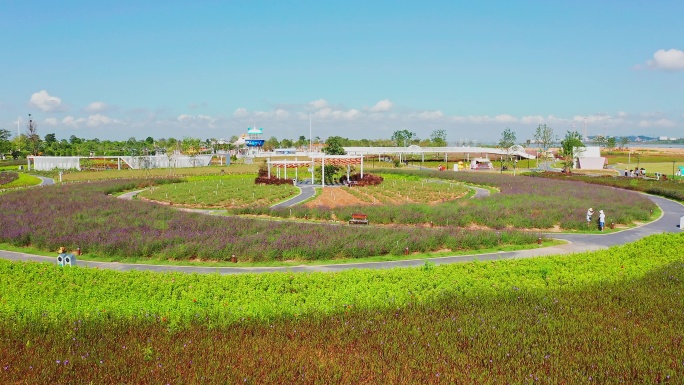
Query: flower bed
[[612, 316], [7, 177], [522, 203], [83, 216]]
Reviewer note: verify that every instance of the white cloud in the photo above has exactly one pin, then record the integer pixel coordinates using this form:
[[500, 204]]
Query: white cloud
[[320, 103], [352, 114], [240, 113], [382, 106], [92, 121], [662, 123], [670, 60], [72, 122], [590, 119], [51, 121], [281, 114], [505, 118], [99, 120], [323, 113], [479, 119], [652, 115], [428, 115], [96, 107], [45, 102], [197, 120]]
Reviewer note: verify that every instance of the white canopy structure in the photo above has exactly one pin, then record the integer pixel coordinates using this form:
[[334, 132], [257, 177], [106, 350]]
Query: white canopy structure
[[47, 163]]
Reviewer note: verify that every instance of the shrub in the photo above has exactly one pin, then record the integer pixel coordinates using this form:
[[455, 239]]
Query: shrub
[[272, 180]]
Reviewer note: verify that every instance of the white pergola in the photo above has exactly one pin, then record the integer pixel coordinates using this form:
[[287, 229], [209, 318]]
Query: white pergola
[[285, 164], [335, 160]]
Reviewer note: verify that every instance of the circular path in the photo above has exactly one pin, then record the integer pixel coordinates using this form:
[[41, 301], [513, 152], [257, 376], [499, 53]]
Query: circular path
[[668, 222]]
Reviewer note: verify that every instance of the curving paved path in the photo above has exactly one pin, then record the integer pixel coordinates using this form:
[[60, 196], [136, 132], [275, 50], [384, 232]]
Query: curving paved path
[[45, 181], [306, 191], [668, 222]]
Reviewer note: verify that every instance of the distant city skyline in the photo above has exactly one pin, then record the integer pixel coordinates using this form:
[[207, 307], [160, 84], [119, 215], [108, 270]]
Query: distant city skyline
[[355, 69]]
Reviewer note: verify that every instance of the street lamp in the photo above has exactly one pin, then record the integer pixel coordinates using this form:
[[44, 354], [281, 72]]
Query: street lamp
[[310, 145]]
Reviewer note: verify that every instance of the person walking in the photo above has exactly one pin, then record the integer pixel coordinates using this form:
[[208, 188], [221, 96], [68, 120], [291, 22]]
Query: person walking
[[590, 213], [602, 220]]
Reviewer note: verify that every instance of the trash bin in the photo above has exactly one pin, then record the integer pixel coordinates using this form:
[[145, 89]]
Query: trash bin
[[69, 260], [681, 223], [60, 259]]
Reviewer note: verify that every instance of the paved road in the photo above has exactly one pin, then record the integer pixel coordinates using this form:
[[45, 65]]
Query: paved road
[[45, 181], [668, 222], [306, 191]]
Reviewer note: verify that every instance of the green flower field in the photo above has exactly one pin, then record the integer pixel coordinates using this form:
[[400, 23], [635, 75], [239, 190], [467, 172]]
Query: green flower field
[[613, 316]]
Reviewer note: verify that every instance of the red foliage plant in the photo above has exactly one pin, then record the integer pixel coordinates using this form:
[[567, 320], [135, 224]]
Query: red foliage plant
[[367, 180], [272, 180]]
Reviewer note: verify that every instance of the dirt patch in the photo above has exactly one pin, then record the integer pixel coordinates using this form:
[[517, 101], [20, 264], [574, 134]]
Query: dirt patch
[[335, 197], [338, 197], [661, 150]]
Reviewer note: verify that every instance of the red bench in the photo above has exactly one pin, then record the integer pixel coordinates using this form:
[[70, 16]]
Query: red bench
[[358, 219]]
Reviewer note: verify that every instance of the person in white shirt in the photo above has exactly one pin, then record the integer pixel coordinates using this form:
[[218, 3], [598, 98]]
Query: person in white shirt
[[602, 220]]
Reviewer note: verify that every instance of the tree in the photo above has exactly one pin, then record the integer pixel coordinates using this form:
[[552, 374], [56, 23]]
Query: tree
[[32, 137], [611, 142], [600, 140], [20, 144], [570, 147], [438, 138], [5, 144], [333, 146], [507, 141], [403, 137], [50, 139], [287, 143], [623, 141], [191, 146], [544, 137], [271, 144]]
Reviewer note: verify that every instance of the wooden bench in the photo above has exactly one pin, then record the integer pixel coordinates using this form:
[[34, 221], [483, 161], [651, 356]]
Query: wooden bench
[[359, 219]]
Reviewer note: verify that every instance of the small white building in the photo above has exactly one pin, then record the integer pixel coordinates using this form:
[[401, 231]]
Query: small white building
[[481, 164], [589, 158]]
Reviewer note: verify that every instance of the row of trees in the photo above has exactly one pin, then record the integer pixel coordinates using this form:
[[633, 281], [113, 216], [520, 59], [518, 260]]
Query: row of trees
[[568, 148], [23, 145], [32, 144]]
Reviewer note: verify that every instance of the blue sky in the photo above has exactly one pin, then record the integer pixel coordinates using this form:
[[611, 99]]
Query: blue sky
[[360, 69]]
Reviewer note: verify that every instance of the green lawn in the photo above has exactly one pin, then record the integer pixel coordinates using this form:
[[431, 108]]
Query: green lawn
[[24, 180]]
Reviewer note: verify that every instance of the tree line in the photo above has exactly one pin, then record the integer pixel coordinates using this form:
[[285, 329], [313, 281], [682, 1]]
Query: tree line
[[30, 143]]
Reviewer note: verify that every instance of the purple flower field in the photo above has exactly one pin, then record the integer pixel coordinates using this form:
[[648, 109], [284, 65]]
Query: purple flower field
[[521, 203], [83, 215], [8, 177]]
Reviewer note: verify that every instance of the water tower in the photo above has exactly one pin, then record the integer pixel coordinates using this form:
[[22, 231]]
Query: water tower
[[255, 137]]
